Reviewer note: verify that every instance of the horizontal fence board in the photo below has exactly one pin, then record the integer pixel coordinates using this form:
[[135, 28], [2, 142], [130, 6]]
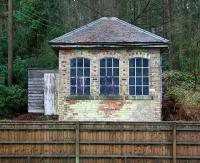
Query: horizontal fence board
[[38, 142], [126, 156], [36, 129], [98, 141], [125, 129], [37, 156]]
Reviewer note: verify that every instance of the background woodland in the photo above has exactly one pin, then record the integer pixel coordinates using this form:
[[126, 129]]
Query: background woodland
[[35, 22]]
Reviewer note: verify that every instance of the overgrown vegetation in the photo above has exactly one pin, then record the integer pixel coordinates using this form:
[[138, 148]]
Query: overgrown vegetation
[[12, 99], [181, 85], [180, 100]]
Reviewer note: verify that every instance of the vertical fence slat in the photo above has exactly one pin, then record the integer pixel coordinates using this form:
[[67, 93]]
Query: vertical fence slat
[[77, 142], [174, 141], [28, 160]]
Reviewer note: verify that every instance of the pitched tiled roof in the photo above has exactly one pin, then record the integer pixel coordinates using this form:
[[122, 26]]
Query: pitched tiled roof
[[109, 30]]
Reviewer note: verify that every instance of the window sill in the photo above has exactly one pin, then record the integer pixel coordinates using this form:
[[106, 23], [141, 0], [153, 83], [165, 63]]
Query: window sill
[[146, 97], [94, 97], [143, 97]]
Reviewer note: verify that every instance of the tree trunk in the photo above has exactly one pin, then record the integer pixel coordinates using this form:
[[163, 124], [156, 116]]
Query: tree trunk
[[1, 16], [168, 19], [195, 81], [10, 42]]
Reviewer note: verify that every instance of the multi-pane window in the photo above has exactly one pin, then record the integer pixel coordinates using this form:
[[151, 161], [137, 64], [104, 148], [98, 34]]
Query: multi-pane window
[[109, 76], [138, 76], [80, 76]]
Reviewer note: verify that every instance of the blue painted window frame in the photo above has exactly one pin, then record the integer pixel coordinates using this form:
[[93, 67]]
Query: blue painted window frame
[[138, 76], [109, 76], [80, 76]]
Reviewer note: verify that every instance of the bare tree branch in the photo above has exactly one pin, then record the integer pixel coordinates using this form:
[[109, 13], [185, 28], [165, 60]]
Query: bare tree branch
[[143, 11]]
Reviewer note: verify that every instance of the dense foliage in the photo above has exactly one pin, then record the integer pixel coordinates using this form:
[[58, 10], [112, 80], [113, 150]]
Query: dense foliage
[[38, 21], [181, 85], [180, 100], [12, 99]]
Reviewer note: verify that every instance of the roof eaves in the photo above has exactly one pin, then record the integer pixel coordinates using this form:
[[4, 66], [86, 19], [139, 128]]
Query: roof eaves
[[108, 43], [111, 45]]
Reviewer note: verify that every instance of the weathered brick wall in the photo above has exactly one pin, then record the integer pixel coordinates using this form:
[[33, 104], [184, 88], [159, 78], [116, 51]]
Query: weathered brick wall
[[126, 108]]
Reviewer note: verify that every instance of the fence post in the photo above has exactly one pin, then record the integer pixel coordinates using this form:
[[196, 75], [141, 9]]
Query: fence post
[[28, 159], [125, 160], [77, 142], [174, 142]]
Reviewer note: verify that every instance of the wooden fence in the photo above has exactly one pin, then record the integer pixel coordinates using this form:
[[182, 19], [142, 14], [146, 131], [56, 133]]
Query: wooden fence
[[86, 142]]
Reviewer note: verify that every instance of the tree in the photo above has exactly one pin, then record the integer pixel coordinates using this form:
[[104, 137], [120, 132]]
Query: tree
[[10, 41], [193, 57], [168, 19]]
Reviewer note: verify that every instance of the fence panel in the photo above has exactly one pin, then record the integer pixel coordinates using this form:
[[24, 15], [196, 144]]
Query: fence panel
[[123, 142]]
